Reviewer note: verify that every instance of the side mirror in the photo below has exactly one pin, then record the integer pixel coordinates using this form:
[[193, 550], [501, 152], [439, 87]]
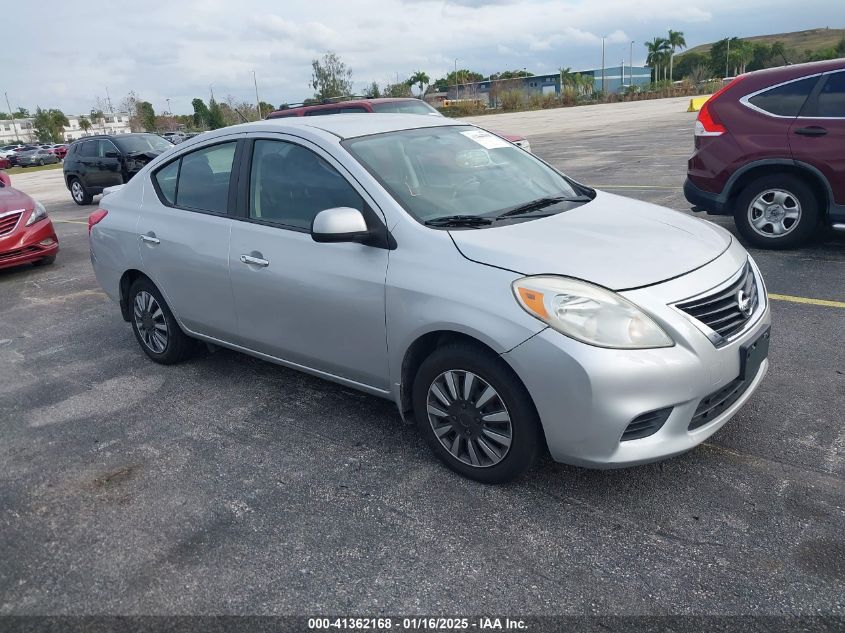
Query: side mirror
[[340, 224], [5, 180]]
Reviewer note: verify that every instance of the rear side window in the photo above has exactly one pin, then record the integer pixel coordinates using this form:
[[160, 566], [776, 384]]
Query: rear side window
[[831, 99], [89, 149], [785, 100], [354, 109], [323, 111], [166, 179], [199, 180]]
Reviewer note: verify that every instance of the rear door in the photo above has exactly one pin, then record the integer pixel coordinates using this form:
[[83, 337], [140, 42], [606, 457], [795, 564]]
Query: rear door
[[184, 235], [86, 159], [817, 136]]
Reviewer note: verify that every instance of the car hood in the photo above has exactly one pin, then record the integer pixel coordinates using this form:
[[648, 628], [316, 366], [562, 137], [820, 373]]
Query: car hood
[[14, 200], [616, 242]]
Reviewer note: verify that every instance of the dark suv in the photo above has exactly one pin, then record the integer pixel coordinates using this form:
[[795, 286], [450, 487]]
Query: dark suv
[[770, 150], [96, 162]]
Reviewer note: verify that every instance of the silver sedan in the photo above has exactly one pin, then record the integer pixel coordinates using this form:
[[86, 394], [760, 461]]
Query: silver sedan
[[37, 157], [505, 308]]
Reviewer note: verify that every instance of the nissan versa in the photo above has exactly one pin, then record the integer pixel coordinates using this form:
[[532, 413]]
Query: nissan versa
[[503, 306]]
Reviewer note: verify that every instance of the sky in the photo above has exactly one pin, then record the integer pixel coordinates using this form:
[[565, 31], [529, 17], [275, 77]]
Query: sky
[[66, 55]]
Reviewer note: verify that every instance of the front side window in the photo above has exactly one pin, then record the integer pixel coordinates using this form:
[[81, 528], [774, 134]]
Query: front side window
[[199, 180], [290, 184], [785, 100], [88, 149], [831, 99], [458, 170]]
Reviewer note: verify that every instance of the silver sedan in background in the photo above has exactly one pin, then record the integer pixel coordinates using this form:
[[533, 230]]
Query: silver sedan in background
[[502, 306], [37, 157]]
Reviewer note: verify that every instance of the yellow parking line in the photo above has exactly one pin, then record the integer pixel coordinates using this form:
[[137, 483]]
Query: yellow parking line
[[815, 302]]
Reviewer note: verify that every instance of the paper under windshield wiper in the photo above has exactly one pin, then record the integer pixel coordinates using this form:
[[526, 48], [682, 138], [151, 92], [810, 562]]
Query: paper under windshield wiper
[[540, 203], [459, 220]]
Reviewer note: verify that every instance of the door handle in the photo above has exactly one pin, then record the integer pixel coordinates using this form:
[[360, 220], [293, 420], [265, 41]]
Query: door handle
[[255, 261], [150, 239], [813, 130]]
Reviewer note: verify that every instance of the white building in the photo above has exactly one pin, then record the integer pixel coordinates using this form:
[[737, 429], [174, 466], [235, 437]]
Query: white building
[[22, 129]]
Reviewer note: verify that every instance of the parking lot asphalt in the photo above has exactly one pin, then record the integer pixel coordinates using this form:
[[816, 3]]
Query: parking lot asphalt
[[231, 485]]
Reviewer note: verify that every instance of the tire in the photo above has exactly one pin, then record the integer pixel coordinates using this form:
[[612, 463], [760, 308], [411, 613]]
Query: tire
[[149, 312], [78, 193], [41, 162], [464, 418], [45, 261], [760, 206]]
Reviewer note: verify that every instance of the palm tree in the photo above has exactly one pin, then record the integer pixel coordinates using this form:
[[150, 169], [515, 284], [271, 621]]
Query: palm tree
[[85, 124], [779, 50], [676, 41], [420, 79], [657, 49]]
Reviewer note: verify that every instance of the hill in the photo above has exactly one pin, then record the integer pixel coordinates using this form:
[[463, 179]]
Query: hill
[[813, 39]]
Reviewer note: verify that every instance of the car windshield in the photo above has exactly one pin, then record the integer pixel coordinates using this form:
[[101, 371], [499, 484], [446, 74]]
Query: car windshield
[[411, 106], [142, 143], [461, 171]]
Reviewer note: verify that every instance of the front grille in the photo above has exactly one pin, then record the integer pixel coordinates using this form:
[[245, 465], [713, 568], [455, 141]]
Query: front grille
[[727, 310], [713, 405], [9, 222], [17, 253], [646, 424]]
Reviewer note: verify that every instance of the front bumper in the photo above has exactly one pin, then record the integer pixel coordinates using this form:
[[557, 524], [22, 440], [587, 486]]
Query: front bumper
[[24, 246], [587, 396]]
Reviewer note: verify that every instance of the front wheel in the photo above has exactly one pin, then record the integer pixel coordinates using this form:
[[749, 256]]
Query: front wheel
[[777, 211], [155, 327], [476, 414]]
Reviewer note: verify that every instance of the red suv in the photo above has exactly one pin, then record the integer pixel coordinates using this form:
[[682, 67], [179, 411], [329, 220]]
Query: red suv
[[403, 105], [770, 150]]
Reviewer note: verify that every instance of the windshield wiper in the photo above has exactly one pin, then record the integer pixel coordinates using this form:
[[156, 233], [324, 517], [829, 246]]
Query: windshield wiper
[[540, 203], [459, 220]]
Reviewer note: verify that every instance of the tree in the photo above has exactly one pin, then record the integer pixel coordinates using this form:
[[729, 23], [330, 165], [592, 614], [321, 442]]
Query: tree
[[201, 114], [97, 117], [511, 74], [460, 76], [657, 50], [84, 124], [264, 109], [49, 125], [330, 77], [676, 41], [420, 79], [215, 115], [372, 91], [146, 115], [21, 113], [402, 89]]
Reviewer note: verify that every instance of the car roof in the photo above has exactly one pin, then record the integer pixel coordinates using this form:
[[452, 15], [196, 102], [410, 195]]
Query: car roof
[[780, 73], [349, 125]]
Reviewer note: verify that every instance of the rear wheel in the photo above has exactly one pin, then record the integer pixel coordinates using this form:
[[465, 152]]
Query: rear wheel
[[155, 327], [475, 414], [777, 211], [77, 191]]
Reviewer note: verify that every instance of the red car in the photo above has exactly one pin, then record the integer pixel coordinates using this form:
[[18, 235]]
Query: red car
[[60, 151], [769, 151], [402, 105], [4, 163], [26, 233]]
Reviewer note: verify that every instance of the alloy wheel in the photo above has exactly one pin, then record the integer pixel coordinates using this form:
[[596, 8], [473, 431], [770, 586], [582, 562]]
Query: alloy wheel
[[469, 418], [774, 213], [76, 191], [150, 322]]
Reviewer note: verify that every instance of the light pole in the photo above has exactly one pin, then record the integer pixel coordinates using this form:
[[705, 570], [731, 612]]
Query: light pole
[[169, 111], [602, 64], [631, 65], [727, 57]]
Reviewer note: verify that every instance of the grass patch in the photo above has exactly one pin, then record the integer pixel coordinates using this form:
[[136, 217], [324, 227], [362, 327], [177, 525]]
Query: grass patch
[[26, 170]]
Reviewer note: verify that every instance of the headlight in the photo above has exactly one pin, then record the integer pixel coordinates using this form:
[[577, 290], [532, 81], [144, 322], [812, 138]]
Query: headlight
[[38, 213], [588, 313]]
